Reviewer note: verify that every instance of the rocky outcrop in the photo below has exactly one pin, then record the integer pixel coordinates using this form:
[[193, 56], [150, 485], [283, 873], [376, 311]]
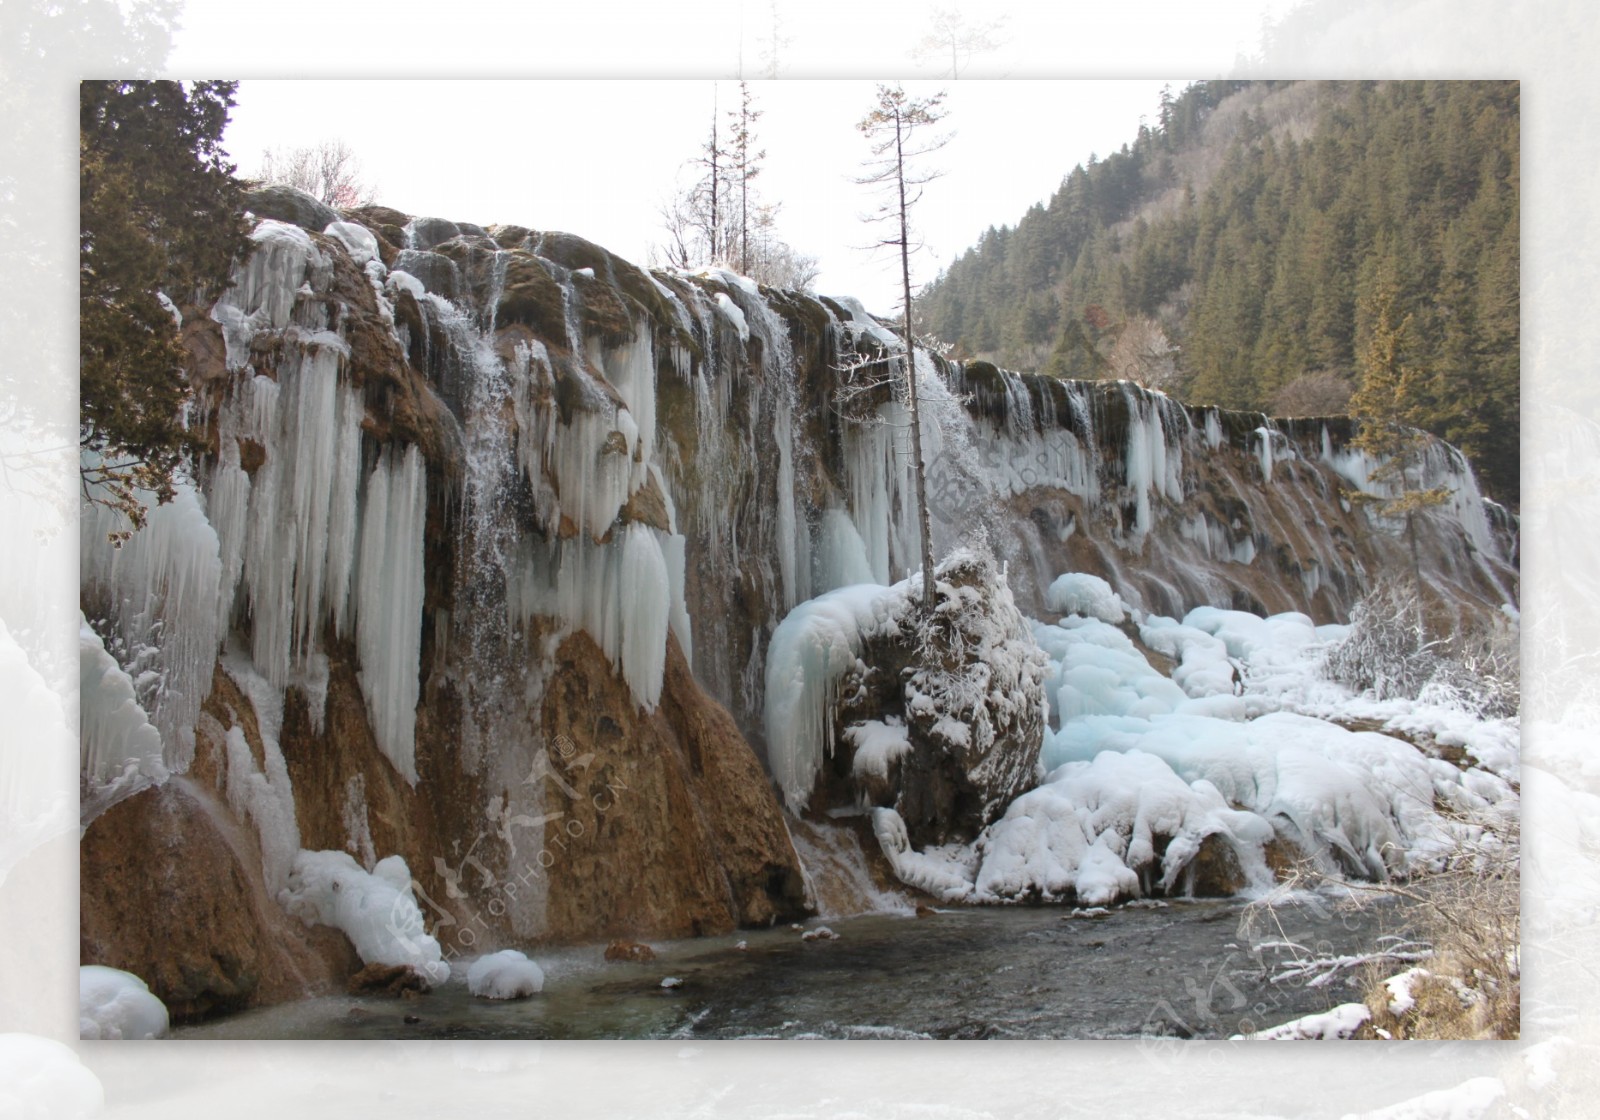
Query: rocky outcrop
[[290, 204], [523, 644], [171, 890], [663, 824], [940, 718]]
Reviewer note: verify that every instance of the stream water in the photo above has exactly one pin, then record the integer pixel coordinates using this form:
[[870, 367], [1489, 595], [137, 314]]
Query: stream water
[[1198, 969]]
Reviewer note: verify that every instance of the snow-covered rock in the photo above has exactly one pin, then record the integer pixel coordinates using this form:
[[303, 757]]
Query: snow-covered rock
[[507, 974], [376, 909], [113, 1004]]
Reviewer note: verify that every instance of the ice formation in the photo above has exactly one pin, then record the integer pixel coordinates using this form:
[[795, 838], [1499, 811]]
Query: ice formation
[[507, 974], [1144, 770], [121, 750], [113, 1004], [375, 909], [155, 599], [812, 646]]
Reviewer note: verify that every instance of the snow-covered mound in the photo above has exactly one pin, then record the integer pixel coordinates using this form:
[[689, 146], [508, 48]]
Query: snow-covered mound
[[507, 974], [42, 1079], [376, 910], [117, 1004], [1203, 780], [941, 709]]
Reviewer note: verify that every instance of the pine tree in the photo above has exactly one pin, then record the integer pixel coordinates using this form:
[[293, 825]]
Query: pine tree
[[160, 225], [1387, 405]]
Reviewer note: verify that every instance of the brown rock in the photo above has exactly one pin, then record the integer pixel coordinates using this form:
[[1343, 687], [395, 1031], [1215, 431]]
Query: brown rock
[[925, 911], [665, 821], [1215, 872], [648, 507], [621, 950], [387, 980], [171, 890]]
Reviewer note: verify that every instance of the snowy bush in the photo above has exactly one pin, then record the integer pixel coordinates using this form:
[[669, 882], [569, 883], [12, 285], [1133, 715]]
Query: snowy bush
[[1392, 651], [1387, 651]]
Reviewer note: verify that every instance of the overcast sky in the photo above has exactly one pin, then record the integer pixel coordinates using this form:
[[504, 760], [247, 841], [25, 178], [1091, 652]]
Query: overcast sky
[[597, 157]]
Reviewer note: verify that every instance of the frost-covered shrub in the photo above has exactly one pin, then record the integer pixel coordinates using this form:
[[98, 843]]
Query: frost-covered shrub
[[1394, 652], [1388, 651]]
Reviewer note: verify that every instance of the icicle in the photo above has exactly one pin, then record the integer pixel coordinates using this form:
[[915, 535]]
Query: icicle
[[389, 602], [160, 590]]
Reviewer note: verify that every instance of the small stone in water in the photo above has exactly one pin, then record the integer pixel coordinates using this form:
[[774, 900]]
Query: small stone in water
[[672, 982], [821, 933]]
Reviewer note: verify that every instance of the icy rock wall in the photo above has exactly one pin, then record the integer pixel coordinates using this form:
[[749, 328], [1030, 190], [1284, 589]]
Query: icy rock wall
[[438, 453]]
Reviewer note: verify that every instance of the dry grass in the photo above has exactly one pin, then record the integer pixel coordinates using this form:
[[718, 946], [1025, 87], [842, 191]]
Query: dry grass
[[1471, 914]]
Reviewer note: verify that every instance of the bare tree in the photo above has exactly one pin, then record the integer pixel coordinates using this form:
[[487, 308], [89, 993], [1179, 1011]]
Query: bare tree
[[721, 220], [1142, 352], [329, 170], [772, 45], [896, 133], [744, 164], [951, 37]]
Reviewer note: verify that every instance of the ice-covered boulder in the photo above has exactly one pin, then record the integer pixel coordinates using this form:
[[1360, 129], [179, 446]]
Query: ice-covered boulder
[[117, 1004], [375, 909], [938, 717], [507, 974]]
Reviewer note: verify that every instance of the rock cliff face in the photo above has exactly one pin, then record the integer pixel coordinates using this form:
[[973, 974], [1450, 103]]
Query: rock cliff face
[[490, 538]]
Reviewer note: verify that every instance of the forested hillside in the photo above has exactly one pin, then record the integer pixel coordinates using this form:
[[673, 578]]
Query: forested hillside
[[1241, 250]]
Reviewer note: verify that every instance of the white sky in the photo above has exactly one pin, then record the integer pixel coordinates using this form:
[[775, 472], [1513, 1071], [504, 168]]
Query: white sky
[[596, 157]]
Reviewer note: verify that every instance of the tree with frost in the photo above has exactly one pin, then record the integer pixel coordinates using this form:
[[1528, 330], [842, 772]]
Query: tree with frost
[[1387, 407], [896, 132], [721, 220], [744, 164], [330, 171], [951, 38], [160, 225]]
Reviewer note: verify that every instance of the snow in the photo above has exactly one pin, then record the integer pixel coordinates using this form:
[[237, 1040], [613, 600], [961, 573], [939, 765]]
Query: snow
[[1238, 748], [1401, 996], [376, 910], [734, 315], [877, 744], [507, 974], [357, 240], [121, 751], [1338, 1022], [1088, 595], [1473, 1099], [402, 281], [42, 1079], [161, 591], [113, 1004], [1090, 830], [944, 872]]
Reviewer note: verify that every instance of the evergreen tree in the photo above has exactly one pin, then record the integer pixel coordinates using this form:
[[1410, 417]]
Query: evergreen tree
[[1387, 406], [161, 224]]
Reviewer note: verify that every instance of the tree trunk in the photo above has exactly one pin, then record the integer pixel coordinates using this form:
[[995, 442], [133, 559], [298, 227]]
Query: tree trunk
[[911, 379]]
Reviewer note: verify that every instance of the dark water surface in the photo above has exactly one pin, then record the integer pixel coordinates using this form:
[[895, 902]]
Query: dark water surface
[[1189, 969]]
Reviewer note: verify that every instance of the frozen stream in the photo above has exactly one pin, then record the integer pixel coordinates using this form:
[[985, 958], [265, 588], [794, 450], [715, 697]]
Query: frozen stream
[[1188, 969]]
